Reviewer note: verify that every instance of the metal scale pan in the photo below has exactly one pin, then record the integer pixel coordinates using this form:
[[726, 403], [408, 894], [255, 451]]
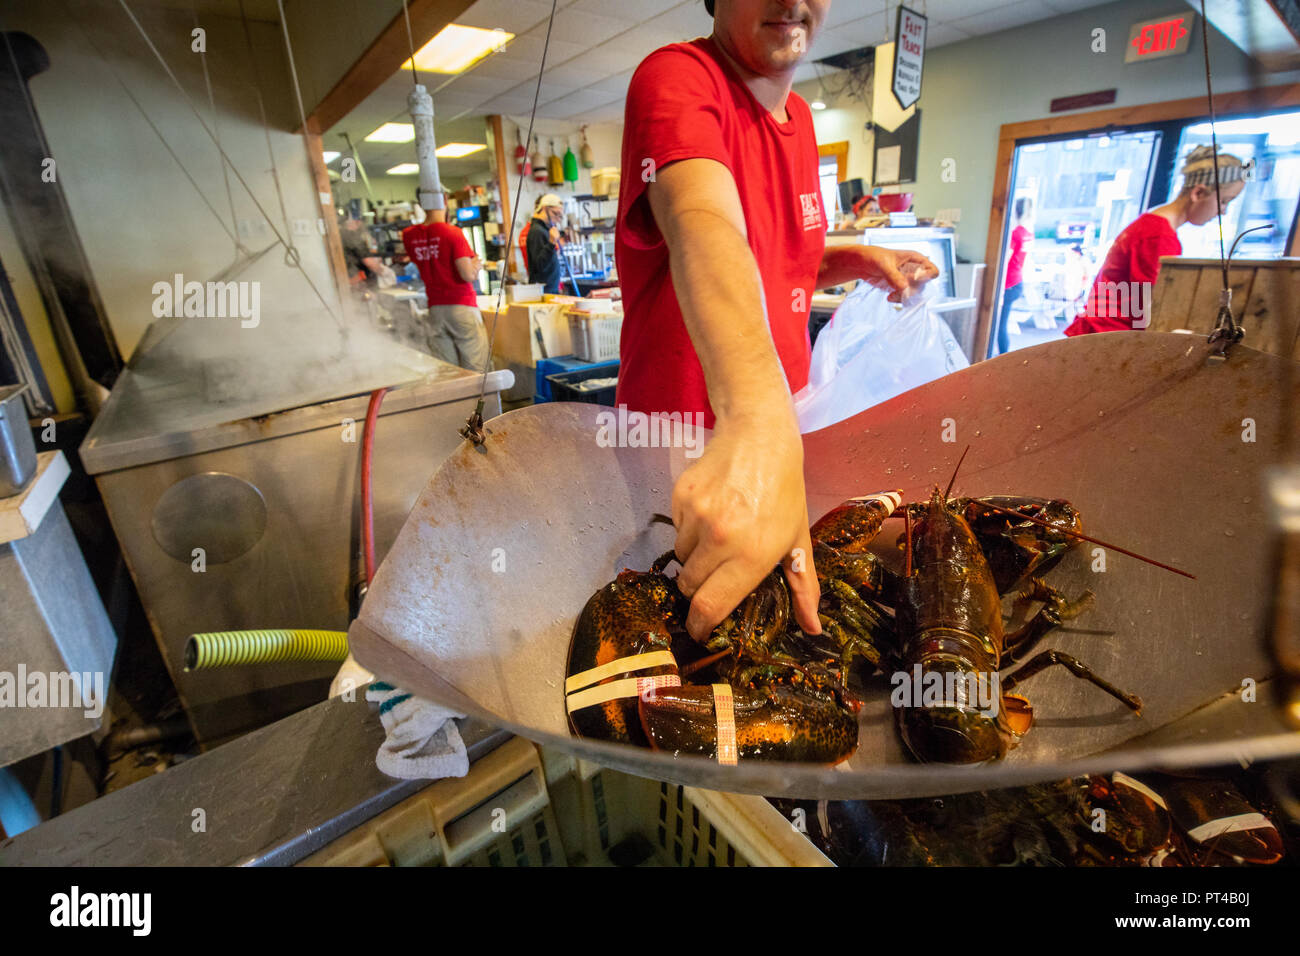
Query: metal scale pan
[[1136, 429]]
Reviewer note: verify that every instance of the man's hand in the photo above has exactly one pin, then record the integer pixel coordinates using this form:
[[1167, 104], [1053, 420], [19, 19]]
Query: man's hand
[[740, 510], [899, 270]]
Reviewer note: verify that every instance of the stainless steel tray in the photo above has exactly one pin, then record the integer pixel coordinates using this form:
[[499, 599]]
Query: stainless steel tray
[[1134, 428]]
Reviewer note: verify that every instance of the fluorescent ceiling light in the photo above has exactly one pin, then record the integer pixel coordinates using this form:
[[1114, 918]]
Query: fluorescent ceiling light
[[456, 150], [392, 133], [457, 48], [330, 156], [817, 105], [404, 169]]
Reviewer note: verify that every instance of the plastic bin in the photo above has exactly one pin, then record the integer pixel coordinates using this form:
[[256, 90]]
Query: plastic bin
[[567, 386], [595, 337], [600, 810], [563, 363], [524, 293], [499, 814], [519, 806]]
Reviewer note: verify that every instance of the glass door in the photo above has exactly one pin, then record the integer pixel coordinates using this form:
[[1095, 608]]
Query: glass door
[[1273, 142], [1070, 198]]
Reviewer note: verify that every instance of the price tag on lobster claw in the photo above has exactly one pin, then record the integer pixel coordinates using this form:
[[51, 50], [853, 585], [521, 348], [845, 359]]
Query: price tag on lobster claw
[[725, 710]]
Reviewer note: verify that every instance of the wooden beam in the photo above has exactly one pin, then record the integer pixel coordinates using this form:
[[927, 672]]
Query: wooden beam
[[993, 273], [1262, 100], [384, 57], [333, 241], [503, 177]]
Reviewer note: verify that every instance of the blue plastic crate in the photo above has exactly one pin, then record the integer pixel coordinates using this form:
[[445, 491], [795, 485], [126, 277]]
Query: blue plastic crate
[[564, 363]]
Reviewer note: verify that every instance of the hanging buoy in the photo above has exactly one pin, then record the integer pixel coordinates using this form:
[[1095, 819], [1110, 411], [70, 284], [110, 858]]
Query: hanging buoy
[[522, 166], [539, 163], [585, 155], [555, 167], [570, 165]]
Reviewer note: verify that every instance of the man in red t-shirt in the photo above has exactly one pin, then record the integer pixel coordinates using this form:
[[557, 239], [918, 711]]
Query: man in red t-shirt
[[448, 266], [1120, 299], [720, 245]]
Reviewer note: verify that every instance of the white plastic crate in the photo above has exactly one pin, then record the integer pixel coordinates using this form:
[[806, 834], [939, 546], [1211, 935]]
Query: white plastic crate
[[597, 809], [595, 337], [499, 814], [519, 807]]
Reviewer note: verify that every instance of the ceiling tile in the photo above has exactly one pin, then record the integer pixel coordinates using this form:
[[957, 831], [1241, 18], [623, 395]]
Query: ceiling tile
[[1005, 17], [941, 11], [517, 16], [616, 84], [608, 58], [588, 28], [576, 74], [476, 82], [685, 21], [855, 10], [579, 102], [1069, 6], [529, 49], [637, 44], [940, 34], [507, 66], [635, 10]]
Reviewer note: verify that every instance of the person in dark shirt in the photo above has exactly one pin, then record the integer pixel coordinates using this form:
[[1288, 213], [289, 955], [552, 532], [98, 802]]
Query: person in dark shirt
[[362, 263], [543, 243]]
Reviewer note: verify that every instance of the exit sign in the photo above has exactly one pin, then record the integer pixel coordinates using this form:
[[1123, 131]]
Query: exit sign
[[1164, 36]]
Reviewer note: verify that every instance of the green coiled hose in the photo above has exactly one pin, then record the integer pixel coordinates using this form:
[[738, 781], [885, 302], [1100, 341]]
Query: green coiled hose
[[229, 648]]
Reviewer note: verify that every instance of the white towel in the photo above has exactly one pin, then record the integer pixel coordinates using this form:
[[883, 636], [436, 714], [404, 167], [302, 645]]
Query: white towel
[[423, 742]]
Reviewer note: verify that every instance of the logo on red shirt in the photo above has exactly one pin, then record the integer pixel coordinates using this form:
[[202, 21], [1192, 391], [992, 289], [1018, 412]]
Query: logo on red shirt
[[812, 210]]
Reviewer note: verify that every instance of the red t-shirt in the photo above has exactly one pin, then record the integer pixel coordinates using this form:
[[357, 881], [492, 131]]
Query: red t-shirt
[[434, 247], [1122, 290], [1016, 263], [685, 102]]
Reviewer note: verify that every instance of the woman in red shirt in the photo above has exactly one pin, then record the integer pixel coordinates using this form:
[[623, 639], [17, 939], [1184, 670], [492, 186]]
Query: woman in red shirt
[[1021, 237], [1120, 299]]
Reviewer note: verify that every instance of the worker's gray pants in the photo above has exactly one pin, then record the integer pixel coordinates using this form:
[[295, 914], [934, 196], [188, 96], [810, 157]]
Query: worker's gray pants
[[456, 335]]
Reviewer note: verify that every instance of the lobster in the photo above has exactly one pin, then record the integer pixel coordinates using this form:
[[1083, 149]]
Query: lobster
[[764, 697], [947, 635], [761, 688]]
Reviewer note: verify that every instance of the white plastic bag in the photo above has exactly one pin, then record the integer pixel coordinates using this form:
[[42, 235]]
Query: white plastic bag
[[870, 351]]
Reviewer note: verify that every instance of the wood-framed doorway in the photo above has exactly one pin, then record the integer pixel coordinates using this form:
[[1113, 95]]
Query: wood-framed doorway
[[1260, 100]]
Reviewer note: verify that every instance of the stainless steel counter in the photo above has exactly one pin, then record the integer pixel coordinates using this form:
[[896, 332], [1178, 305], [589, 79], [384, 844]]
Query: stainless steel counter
[[270, 798]]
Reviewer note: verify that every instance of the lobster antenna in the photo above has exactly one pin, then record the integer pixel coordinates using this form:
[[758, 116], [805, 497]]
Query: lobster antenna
[[954, 474], [1080, 534], [907, 535]]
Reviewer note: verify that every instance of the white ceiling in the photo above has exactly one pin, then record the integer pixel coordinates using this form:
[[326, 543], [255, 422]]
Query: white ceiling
[[596, 44]]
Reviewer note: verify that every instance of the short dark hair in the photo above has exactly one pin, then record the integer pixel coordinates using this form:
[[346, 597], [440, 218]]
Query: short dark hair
[[708, 6]]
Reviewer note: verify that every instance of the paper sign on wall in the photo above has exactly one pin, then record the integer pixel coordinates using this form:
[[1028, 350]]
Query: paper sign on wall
[[909, 54]]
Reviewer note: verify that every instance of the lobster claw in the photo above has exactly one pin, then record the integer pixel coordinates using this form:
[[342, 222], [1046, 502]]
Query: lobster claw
[[778, 723]]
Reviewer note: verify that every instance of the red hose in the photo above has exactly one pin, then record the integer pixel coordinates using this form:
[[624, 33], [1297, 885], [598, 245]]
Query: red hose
[[367, 499]]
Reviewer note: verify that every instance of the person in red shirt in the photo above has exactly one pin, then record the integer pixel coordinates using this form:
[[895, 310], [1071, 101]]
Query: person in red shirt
[[1021, 238], [448, 266], [1120, 298], [720, 244]]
